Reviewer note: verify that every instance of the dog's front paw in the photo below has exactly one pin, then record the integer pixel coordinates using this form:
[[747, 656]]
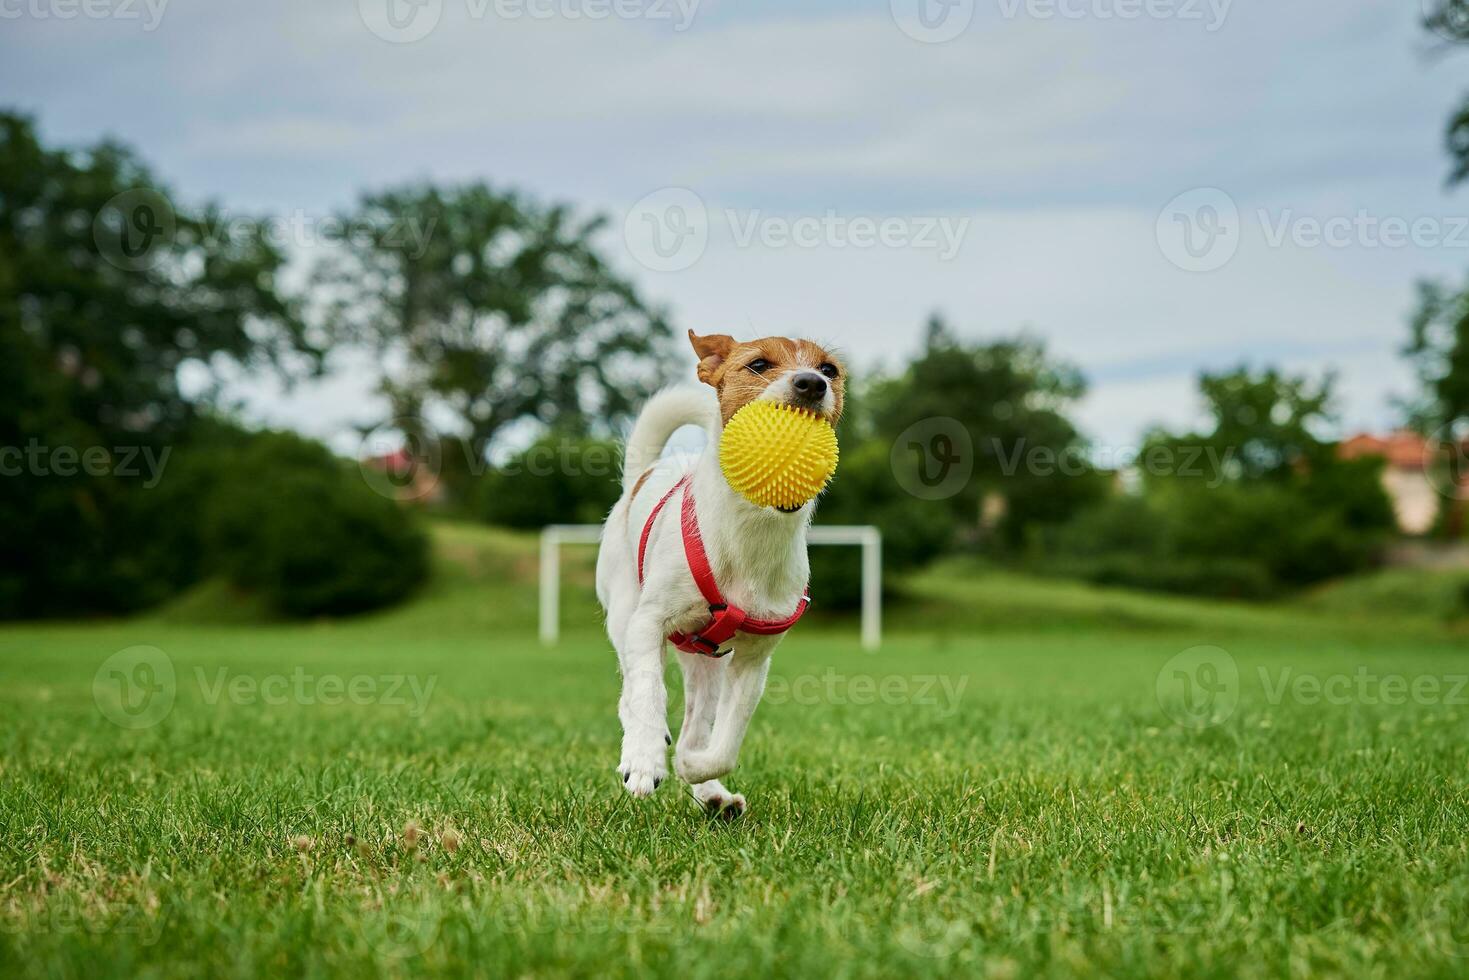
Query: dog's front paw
[[642, 773]]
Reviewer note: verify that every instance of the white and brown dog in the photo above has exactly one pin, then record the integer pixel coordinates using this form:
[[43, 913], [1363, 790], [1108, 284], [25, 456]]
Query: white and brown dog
[[686, 558]]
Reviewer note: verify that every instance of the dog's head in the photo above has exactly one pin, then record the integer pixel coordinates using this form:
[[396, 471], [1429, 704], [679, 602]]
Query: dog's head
[[791, 372]]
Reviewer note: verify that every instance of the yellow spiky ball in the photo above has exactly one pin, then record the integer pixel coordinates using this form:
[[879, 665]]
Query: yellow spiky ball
[[777, 455]]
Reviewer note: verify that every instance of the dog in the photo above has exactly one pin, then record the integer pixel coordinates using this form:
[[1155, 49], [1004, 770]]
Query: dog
[[756, 566]]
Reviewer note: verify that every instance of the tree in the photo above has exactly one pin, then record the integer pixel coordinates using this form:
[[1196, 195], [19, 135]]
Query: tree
[[1449, 20], [1438, 344], [1438, 347], [1263, 429], [106, 291], [493, 308], [1009, 397]]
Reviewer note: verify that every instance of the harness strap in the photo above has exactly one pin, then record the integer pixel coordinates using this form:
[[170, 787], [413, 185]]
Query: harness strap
[[726, 620], [648, 525]]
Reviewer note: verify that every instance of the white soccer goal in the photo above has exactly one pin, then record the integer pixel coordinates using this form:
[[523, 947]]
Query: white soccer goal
[[869, 538]]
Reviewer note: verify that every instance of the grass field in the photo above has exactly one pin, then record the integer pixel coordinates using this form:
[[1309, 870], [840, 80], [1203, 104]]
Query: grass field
[[1015, 785]]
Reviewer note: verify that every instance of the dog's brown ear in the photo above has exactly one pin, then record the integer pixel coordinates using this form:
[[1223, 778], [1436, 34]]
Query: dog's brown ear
[[711, 351]]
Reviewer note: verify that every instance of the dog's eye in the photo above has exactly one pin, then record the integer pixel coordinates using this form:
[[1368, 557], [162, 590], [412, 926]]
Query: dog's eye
[[829, 369], [758, 365]]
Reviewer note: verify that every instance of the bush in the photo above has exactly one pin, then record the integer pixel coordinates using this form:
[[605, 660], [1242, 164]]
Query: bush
[[1219, 578], [288, 520], [1246, 539], [557, 480], [864, 491]]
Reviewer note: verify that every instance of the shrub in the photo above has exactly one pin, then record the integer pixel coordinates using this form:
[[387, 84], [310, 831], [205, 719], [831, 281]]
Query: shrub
[[864, 491], [557, 480], [1244, 539], [288, 520]]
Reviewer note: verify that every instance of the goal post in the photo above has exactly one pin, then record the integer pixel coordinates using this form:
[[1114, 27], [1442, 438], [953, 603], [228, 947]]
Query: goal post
[[864, 536]]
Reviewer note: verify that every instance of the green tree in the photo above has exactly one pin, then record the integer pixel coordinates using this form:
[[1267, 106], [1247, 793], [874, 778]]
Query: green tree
[[1438, 348], [1011, 397], [106, 291], [493, 308], [1264, 427], [1449, 20], [1257, 503]]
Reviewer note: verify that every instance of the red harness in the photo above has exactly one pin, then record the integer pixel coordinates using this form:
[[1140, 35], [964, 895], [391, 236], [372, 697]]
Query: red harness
[[725, 620]]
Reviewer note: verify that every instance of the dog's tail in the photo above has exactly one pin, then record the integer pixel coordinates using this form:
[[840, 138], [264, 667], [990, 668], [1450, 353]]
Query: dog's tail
[[665, 412]]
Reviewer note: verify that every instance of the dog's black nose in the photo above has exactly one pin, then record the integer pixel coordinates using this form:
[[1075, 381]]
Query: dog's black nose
[[809, 386]]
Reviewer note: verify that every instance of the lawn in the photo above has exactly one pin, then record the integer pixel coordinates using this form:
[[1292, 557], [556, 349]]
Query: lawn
[[1012, 786]]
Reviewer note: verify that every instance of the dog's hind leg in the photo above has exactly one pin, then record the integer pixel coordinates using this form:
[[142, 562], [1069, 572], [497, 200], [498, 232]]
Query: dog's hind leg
[[643, 706]]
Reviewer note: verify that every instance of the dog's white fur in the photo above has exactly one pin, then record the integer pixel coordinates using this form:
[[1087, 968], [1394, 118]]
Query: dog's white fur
[[758, 555]]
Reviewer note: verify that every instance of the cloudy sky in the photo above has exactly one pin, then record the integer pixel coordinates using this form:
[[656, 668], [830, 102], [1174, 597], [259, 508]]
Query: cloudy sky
[[1154, 186]]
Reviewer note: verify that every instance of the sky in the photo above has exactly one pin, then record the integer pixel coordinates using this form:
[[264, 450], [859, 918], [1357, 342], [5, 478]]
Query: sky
[[1155, 187]]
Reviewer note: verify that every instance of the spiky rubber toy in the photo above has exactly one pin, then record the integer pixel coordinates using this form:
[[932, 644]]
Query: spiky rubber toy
[[777, 455]]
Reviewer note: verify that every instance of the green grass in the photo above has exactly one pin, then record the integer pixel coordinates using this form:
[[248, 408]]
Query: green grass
[[1020, 802]]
